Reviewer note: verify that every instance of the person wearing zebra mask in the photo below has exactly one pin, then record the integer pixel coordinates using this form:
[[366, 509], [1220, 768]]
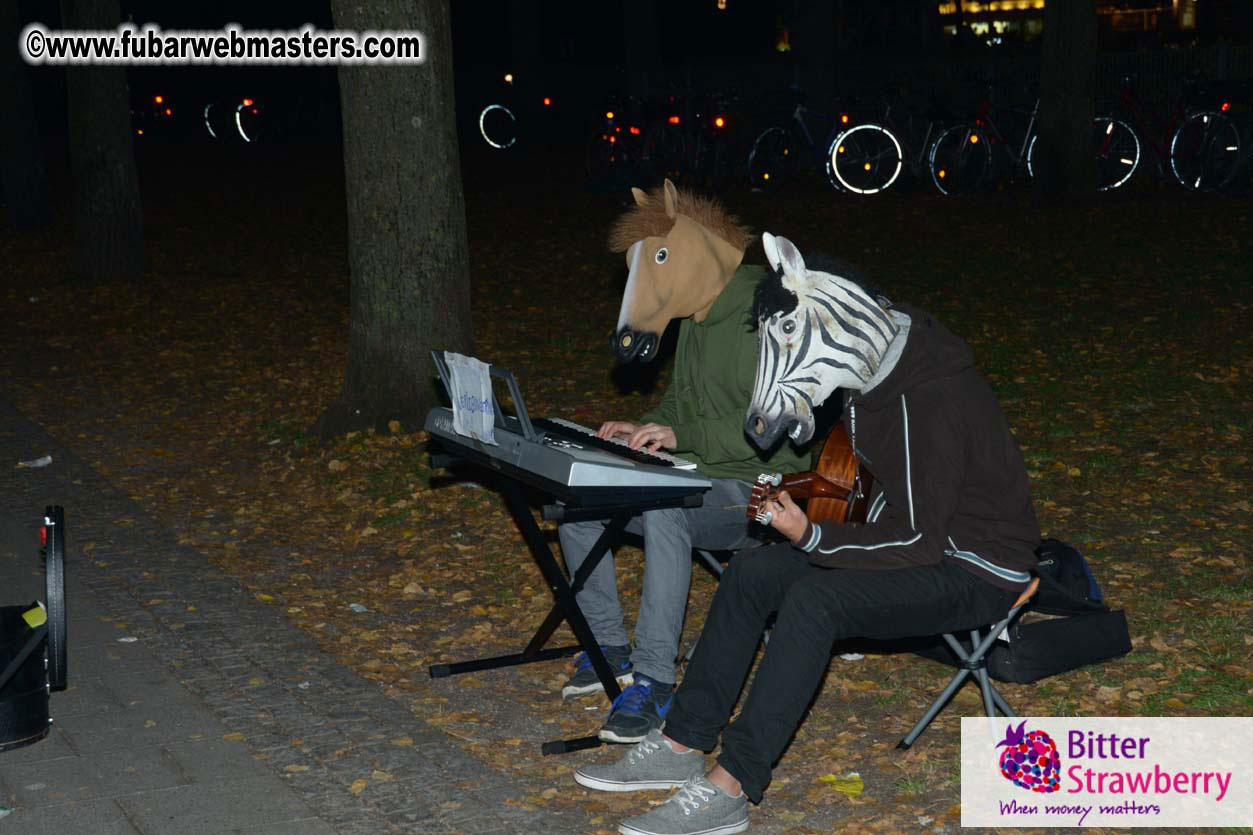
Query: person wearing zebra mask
[[948, 543]]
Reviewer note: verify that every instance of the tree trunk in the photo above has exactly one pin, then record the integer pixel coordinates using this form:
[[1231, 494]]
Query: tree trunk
[[108, 219], [407, 256], [1065, 160], [23, 178]]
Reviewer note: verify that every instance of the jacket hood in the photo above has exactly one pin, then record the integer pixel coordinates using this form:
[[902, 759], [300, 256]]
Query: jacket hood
[[736, 297], [931, 352]]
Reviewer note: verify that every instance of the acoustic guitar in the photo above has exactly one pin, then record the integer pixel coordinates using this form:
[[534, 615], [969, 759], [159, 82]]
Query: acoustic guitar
[[836, 491]]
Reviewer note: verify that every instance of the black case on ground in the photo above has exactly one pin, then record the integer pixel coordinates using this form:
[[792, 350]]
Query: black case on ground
[[24, 697], [1057, 632]]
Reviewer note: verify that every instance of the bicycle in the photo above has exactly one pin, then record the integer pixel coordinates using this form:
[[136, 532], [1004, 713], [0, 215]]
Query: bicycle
[[1206, 148], [498, 120], [646, 139], [962, 155], [869, 157], [774, 158], [712, 140]]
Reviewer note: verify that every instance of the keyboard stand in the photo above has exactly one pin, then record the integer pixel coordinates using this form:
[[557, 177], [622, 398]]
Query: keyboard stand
[[565, 606]]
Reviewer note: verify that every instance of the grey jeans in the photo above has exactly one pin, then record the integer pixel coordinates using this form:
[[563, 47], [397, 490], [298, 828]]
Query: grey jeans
[[669, 537]]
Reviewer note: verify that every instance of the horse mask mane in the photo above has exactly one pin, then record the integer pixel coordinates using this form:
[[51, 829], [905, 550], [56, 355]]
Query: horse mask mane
[[681, 250]]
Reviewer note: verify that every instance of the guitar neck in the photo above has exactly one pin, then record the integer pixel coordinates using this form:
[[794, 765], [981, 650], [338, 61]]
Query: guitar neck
[[812, 486]]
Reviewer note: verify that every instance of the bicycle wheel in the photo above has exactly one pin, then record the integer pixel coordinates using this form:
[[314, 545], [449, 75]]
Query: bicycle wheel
[[772, 159], [959, 160], [864, 160], [1205, 151], [1117, 152], [498, 126]]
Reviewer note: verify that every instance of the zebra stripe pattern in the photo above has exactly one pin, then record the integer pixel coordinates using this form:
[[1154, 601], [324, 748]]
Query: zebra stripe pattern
[[833, 337]]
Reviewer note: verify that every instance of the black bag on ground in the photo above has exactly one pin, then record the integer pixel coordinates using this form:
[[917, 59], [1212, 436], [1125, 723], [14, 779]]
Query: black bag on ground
[[24, 692], [1065, 627]]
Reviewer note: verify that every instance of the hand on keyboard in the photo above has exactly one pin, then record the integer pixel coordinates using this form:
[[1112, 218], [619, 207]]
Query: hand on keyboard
[[648, 436], [611, 429], [653, 436]]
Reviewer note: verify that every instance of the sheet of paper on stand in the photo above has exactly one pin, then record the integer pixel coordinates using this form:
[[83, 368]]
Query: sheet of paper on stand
[[471, 395]]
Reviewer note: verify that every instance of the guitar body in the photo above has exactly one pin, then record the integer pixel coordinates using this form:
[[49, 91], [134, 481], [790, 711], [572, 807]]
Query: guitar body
[[838, 490]]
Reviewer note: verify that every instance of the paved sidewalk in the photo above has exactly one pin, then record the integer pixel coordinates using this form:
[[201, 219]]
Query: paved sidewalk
[[219, 716]]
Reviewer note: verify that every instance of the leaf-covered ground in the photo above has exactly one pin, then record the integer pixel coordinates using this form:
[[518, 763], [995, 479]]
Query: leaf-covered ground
[[1116, 334]]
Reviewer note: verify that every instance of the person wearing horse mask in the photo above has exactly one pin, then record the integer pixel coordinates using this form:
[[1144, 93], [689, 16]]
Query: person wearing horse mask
[[947, 544], [684, 257]]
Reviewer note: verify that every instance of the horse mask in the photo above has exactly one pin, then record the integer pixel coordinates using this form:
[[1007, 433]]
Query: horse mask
[[681, 251]]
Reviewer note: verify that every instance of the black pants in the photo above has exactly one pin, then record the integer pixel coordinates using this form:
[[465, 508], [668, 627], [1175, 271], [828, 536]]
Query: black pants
[[816, 606]]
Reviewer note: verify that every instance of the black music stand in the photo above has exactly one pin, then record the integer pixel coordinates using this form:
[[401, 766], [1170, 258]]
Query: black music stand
[[566, 509]]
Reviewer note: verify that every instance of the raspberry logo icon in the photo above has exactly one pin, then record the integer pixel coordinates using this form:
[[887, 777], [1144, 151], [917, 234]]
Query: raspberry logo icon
[[1030, 759]]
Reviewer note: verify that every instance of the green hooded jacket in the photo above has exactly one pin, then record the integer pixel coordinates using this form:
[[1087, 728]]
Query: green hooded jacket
[[715, 367]]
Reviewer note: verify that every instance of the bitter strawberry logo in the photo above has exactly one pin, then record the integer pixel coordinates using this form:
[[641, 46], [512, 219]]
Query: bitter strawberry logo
[[1030, 759]]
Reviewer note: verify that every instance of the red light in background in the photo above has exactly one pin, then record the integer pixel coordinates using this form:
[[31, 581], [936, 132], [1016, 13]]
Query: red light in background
[[634, 130], [674, 120], [247, 102], [254, 110], [612, 139], [159, 99], [547, 101], [719, 122], [169, 112], [843, 118], [1226, 106]]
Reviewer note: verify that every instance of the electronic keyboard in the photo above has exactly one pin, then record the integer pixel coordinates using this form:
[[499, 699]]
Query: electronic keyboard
[[558, 427], [569, 461]]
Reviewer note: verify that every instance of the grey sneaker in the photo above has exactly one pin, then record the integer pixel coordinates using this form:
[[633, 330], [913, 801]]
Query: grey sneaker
[[585, 680], [651, 764], [699, 808]]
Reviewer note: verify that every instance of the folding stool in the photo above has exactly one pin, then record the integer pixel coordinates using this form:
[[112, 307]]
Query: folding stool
[[973, 663]]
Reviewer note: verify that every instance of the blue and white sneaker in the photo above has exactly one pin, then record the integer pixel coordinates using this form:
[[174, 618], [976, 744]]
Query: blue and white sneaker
[[586, 681], [639, 709]]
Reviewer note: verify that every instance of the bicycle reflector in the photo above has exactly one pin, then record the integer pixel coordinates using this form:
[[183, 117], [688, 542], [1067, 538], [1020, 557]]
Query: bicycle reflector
[[1225, 106], [974, 139], [843, 118]]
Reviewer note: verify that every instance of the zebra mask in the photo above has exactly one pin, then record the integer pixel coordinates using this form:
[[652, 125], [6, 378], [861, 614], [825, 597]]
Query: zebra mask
[[819, 332]]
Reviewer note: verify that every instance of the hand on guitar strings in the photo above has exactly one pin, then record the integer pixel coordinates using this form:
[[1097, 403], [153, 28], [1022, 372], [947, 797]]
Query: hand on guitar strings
[[786, 516]]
